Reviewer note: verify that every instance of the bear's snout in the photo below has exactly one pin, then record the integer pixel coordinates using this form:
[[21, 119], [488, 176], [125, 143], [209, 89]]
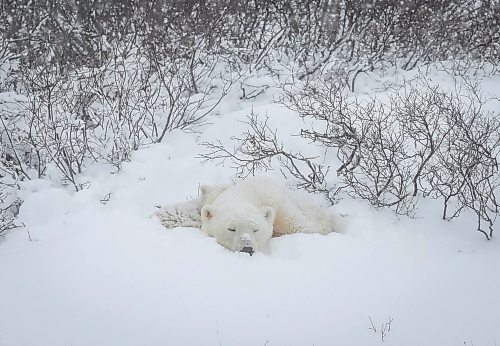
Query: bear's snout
[[247, 244], [248, 249]]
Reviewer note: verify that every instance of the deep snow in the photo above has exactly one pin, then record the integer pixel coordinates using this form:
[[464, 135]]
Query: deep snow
[[96, 268]]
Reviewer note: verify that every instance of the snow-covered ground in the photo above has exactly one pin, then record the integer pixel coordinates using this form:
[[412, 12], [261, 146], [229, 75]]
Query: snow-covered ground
[[96, 268]]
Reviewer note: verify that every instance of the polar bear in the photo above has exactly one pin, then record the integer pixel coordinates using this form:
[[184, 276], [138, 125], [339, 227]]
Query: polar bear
[[243, 217]]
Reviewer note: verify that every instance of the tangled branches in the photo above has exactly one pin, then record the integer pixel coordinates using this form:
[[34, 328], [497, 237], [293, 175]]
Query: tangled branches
[[8, 210], [259, 148], [421, 142]]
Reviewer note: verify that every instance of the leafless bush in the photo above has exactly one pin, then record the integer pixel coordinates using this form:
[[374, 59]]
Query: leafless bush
[[9, 175], [259, 149], [70, 118], [384, 329], [9, 206], [310, 34], [466, 170], [49, 133], [423, 142], [183, 89]]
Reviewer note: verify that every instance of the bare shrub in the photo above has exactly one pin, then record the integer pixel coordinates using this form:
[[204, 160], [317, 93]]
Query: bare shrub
[[11, 171], [259, 149], [70, 118], [49, 133], [385, 328], [9, 206], [425, 143]]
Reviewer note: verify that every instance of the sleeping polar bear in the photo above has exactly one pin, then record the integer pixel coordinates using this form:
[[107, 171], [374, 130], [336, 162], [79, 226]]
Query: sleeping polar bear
[[243, 217]]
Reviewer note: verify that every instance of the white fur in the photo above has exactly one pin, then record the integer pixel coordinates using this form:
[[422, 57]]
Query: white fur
[[209, 193], [249, 213]]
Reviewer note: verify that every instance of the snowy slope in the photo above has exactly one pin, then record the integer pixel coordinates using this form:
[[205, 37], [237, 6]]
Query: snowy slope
[[95, 268]]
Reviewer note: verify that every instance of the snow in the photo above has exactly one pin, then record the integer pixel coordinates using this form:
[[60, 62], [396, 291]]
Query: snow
[[96, 267]]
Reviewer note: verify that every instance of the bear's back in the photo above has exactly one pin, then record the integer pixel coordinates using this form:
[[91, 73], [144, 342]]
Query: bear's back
[[259, 191]]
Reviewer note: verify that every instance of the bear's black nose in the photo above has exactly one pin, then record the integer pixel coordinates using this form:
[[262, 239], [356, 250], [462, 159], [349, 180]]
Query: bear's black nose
[[248, 250]]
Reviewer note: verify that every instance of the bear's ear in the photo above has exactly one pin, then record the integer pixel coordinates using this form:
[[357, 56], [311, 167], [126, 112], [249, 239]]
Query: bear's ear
[[268, 213], [207, 212], [204, 190]]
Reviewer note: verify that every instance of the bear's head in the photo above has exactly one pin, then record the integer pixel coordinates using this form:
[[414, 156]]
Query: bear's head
[[245, 229]]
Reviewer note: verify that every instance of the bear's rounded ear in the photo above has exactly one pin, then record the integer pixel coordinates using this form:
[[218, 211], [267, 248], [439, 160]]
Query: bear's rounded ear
[[207, 212], [268, 213], [203, 190]]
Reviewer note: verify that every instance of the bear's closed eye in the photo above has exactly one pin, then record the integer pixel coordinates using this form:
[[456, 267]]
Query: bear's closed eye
[[231, 230]]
